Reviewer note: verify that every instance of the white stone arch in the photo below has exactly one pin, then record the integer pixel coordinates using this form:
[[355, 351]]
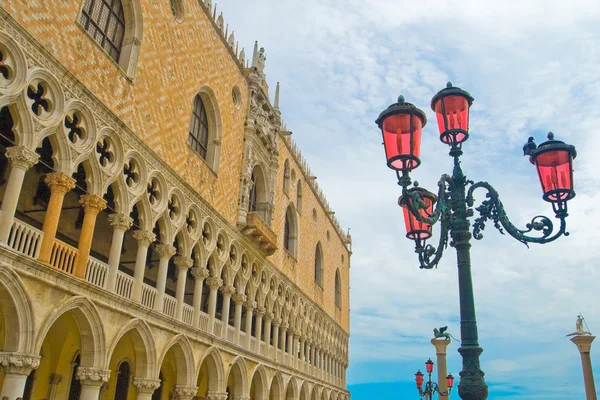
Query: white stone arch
[[166, 229], [93, 175], [215, 125], [262, 389], [14, 59], [278, 386], [214, 360], [293, 384], [198, 254], [144, 212], [19, 325], [305, 391], [23, 125], [185, 246], [184, 357], [144, 347], [91, 330], [325, 394], [123, 203], [240, 373]]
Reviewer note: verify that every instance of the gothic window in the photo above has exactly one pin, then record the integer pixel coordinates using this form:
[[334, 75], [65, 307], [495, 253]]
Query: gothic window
[[252, 200], [299, 195], [290, 231], [338, 289], [104, 21], [122, 386], [198, 136], [286, 176], [319, 265]]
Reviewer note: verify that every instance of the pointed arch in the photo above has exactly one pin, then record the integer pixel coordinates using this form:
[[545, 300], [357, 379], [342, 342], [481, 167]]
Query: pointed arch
[[319, 264], [305, 391], [206, 127], [18, 321], [276, 387], [290, 231], [292, 392], [144, 347], [214, 362], [338, 289], [258, 201], [240, 376], [259, 382], [184, 356]]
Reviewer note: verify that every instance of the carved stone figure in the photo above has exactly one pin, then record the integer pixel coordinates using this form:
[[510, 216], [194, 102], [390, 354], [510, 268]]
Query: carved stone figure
[[441, 333]]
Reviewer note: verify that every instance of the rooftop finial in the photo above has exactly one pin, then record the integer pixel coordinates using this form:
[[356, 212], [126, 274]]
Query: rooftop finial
[[550, 136], [449, 84], [255, 54], [401, 99], [276, 106]]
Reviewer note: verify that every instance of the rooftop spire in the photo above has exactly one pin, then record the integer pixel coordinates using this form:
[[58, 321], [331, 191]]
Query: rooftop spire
[[276, 106], [255, 54]]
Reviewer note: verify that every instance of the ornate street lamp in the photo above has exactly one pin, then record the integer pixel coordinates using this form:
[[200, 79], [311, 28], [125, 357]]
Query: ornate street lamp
[[431, 387], [401, 125]]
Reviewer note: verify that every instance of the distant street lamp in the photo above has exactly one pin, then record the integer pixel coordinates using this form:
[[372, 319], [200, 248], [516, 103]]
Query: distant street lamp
[[401, 125], [431, 387]]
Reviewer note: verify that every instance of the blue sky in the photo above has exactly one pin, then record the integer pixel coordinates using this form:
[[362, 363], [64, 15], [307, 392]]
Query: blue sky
[[532, 66]]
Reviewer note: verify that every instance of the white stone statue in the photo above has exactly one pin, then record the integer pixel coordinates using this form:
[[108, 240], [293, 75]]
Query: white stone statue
[[579, 327]]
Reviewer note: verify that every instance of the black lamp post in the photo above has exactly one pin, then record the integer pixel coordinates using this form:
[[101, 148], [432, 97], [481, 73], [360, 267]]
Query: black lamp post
[[431, 387], [401, 125]]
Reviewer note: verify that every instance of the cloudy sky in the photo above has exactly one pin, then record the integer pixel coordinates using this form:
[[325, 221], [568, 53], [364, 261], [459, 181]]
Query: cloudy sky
[[532, 66]]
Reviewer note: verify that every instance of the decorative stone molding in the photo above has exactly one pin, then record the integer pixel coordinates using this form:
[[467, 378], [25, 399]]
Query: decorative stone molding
[[55, 379], [216, 396], [276, 322], [120, 222], [60, 182], [92, 203], [21, 157], [92, 376], [228, 290], [269, 315], [185, 392], [250, 304], [260, 311], [239, 298], [144, 237], [144, 385], [18, 363], [200, 272], [183, 262], [241, 398], [165, 250]]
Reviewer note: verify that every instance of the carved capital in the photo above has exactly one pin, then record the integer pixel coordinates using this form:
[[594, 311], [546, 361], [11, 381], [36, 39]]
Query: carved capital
[[21, 157], [120, 222], [285, 326], [227, 290], [269, 315], [92, 204], [216, 396], [18, 363], [183, 262], [165, 250], [93, 376], [250, 304], [214, 283], [200, 272], [239, 298], [185, 392], [60, 182], [260, 311], [144, 385], [144, 238], [276, 322]]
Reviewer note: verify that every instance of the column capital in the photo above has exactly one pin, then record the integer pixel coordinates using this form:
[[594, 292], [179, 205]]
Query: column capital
[[276, 322], [185, 392], [121, 222], [260, 311], [144, 237], [269, 315], [182, 262], [285, 326], [239, 298], [216, 396], [60, 182], [440, 345], [165, 250], [21, 157], [250, 304], [92, 376], [92, 203], [200, 272], [214, 283], [583, 342], [18, 363], [144, 385], [296, 332], [227, 290]]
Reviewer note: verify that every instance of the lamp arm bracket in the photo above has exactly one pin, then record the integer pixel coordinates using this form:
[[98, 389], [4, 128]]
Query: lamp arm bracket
[[417, 203], [429, 256], [493, 209]]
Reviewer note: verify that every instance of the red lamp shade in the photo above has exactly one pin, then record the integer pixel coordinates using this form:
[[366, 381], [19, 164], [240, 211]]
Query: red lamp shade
[[450, 381], [415, 229], [401, 125], [419, 379], [553, 160], [451, 106], [429, 366]]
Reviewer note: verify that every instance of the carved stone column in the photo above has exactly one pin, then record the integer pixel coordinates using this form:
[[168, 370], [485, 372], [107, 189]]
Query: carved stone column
[[276, 323], [59, 184], [54, 381], [199, 274], [144, 238], [182, 264], [260, 312], [21, 159], [250, 306], [91, 380], [121, 224], [282, 336], [227, 291], [16, 367], [238, 300], [145, 387], [584, 345], [267, 329], [185, 392], [216, 396], [214, 284], [92, 205], [165, 252]]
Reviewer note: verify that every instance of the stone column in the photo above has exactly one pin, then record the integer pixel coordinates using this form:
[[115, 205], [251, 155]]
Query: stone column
[[276, 324], [59, 184], [182, 264], [227, 291], [290, 343], [267, 329], [238, 300], [21, 159], [16, 367], [199, 274], [144, 238], [283, 336], [185, 392], [250, 306], [216, 395], [91, 380], [302, 348], [584, 344], [260, 312], [165, 252], [440, 352], [145, 387], [214, 284], [92, 205], [121, 224], [54, 381]]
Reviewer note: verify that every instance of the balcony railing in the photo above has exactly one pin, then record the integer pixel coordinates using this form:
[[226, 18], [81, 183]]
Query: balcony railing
[[188, 314], [25, 239], [124, 285], [169, 306], [63, 257], [148, 296], [96, 272]]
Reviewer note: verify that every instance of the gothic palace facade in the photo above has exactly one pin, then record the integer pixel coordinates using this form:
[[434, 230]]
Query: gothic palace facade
[[161, 236]]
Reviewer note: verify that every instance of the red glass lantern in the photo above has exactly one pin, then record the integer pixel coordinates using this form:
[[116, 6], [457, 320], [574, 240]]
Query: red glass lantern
[[415, 229], [401, 125], [451, 106], [450, 381], [429, 366], [553, 160], [419, 379]]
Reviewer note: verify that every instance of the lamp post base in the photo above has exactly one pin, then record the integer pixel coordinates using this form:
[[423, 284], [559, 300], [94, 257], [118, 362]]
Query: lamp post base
[[472, 384]]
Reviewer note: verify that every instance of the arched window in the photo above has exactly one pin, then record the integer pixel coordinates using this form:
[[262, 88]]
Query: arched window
[[104, 20], [258, 201], [122, 386], [252, 199], [338, 289], [290, 231], [198, 136], [299, 195], [319, 265], [286, 176]]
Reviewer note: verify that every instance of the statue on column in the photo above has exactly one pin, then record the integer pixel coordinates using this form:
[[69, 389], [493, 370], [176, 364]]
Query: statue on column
[[579, 330]]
